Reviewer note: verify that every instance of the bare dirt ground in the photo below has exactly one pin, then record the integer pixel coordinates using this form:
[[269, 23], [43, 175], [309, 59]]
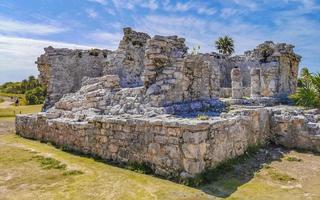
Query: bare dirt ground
[[34, 170], [7, 102]]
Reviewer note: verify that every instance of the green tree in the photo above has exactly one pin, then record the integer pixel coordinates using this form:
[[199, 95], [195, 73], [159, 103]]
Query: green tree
[[225, 45], [35, 96]]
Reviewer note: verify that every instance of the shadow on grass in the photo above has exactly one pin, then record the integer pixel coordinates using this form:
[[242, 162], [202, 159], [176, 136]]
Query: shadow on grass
[[225, 179], [221, 181]]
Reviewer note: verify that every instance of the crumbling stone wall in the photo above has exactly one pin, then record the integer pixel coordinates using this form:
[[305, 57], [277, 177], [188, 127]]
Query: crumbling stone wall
[[139, 103], [128, 60], [167, 72], [61, 70], [163, 76], [171, 76], [277, 62], [279, 68], [296, 128], [202, 75]]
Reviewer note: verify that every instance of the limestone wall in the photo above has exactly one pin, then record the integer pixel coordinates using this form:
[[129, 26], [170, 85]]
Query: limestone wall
[[168, 73], [176, 146], [169, 145], [171, 76], [61, 70], [128, 60], [295, 128], [279, 68]]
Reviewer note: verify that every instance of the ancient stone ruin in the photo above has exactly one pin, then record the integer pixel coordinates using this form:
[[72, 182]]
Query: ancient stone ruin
[[152, 102]]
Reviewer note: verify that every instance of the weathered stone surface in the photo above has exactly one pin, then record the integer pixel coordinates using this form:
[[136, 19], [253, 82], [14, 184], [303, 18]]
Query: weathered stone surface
[[295, 128], [128, 60], [150, 101], [236, 84], [255, 83], [61, 70], [171, 145]]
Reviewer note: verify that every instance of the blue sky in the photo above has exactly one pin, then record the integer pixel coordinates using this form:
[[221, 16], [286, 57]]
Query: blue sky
[[26, 27]]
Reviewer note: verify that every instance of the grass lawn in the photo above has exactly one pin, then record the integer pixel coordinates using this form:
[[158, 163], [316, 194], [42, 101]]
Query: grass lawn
[[32, 170], [11, 111]]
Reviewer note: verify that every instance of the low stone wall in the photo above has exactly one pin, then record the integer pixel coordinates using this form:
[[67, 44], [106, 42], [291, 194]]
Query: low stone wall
[[171, 146], [295, 129]]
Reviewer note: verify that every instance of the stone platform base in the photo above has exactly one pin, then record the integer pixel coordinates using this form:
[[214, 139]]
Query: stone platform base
[[172, 146]]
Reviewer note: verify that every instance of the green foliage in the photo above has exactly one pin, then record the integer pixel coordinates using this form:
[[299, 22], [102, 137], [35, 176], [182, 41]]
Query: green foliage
[[50, 163], [1, 100], [20, 87], [29, 91], [142, 168], [73, 172], [279, 176], [35, 96], [94, 52], [308, 92], [202, 117], [265, 50], [225, 45]]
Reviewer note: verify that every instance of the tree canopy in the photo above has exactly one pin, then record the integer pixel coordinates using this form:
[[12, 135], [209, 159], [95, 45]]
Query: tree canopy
[[225, 45]]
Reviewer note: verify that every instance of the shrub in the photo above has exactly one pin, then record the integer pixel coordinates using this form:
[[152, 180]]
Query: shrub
[[35, 96], [202, 117], [308, 94], [94, 52]]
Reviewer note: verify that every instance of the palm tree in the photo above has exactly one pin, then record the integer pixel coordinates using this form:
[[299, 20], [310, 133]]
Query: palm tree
[[305, 72], [225, 45]]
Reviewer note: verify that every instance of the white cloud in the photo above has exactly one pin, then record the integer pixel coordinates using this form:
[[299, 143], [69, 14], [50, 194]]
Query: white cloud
[[132, 4], [103, 2], [250, 4], [228, 12], [203, 32], [110, 40], [151, 4], [126, 4], [110, 11], [206, 10], [198, 31], [200, 8], [92, 13], [13, 26]]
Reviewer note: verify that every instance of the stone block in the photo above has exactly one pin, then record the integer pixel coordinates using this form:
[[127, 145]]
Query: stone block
[[194, 137], [193, 167]]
